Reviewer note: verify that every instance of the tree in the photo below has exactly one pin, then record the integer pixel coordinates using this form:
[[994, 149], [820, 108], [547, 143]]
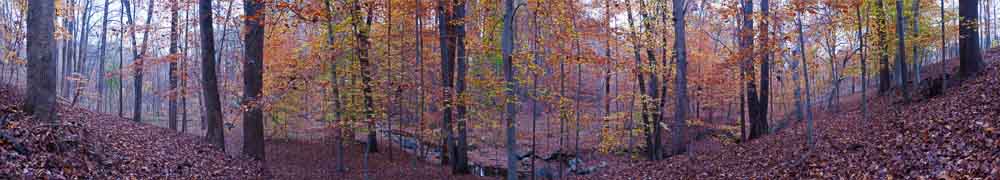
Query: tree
[[652, 149], [862, 20], [805, 72], [210, 87], [457, 36], [507, 48], [253, 80], [901, 49], [885, 80], [41, 80], [137, 109], [172, 107], [760, 122], [100, 68], [970, 58], [445, 39], [336, 89], [680, 50]]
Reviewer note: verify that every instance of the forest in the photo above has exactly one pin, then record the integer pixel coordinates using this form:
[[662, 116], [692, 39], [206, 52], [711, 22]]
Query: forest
[[499, 89]]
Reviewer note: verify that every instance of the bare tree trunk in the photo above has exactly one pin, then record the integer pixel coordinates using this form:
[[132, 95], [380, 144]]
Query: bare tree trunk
[[680, 48], [172, 108], [447, 78], [420, 85], [507, 43], [901, 50], [461, 165], [253, 80], [805, 71], [209, 82], [765, 71], [863, 21], [100, 68], [971, 59], [916, 51], [41, 65]]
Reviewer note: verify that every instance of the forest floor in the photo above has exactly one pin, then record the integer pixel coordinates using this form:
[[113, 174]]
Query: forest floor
[[954, 135], [89, 145]]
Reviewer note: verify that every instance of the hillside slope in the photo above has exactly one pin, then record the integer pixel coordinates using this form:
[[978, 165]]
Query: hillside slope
[[956, 135], [88, 145]]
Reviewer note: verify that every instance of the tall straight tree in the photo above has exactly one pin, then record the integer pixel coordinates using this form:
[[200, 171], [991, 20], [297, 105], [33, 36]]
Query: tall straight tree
[[253, 79], [970, 58], [174, 35], [336, 88], [901, 49], [209, 82], [41, 65], [361, 46], [100, 66], [680, 50], [805, 72], [885, 78], [137, 108], [445, 37], [862, 21], [507, 50], [461, 153], [916, 50], [760, 122]]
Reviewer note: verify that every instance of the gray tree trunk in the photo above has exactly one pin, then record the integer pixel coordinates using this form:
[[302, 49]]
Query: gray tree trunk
[[805, 72], [41, 100], [100, 66], [209, 82], [901, 49], [172, 107], [680, 48], [507, 48]]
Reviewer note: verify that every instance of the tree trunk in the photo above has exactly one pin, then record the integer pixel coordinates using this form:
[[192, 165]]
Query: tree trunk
[[253, 80], [361, 48], [886, 78], [336, 91], [447, 77], [461, 165], [765, 71], [507, 48], [916, 54], [651, 149], [901, 50], [209, 82], [100, 68], [420, 82], [805, 72], [862, 21], [41, 65], [971, 59], [121, 63], [172, 108], [680, 48]]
